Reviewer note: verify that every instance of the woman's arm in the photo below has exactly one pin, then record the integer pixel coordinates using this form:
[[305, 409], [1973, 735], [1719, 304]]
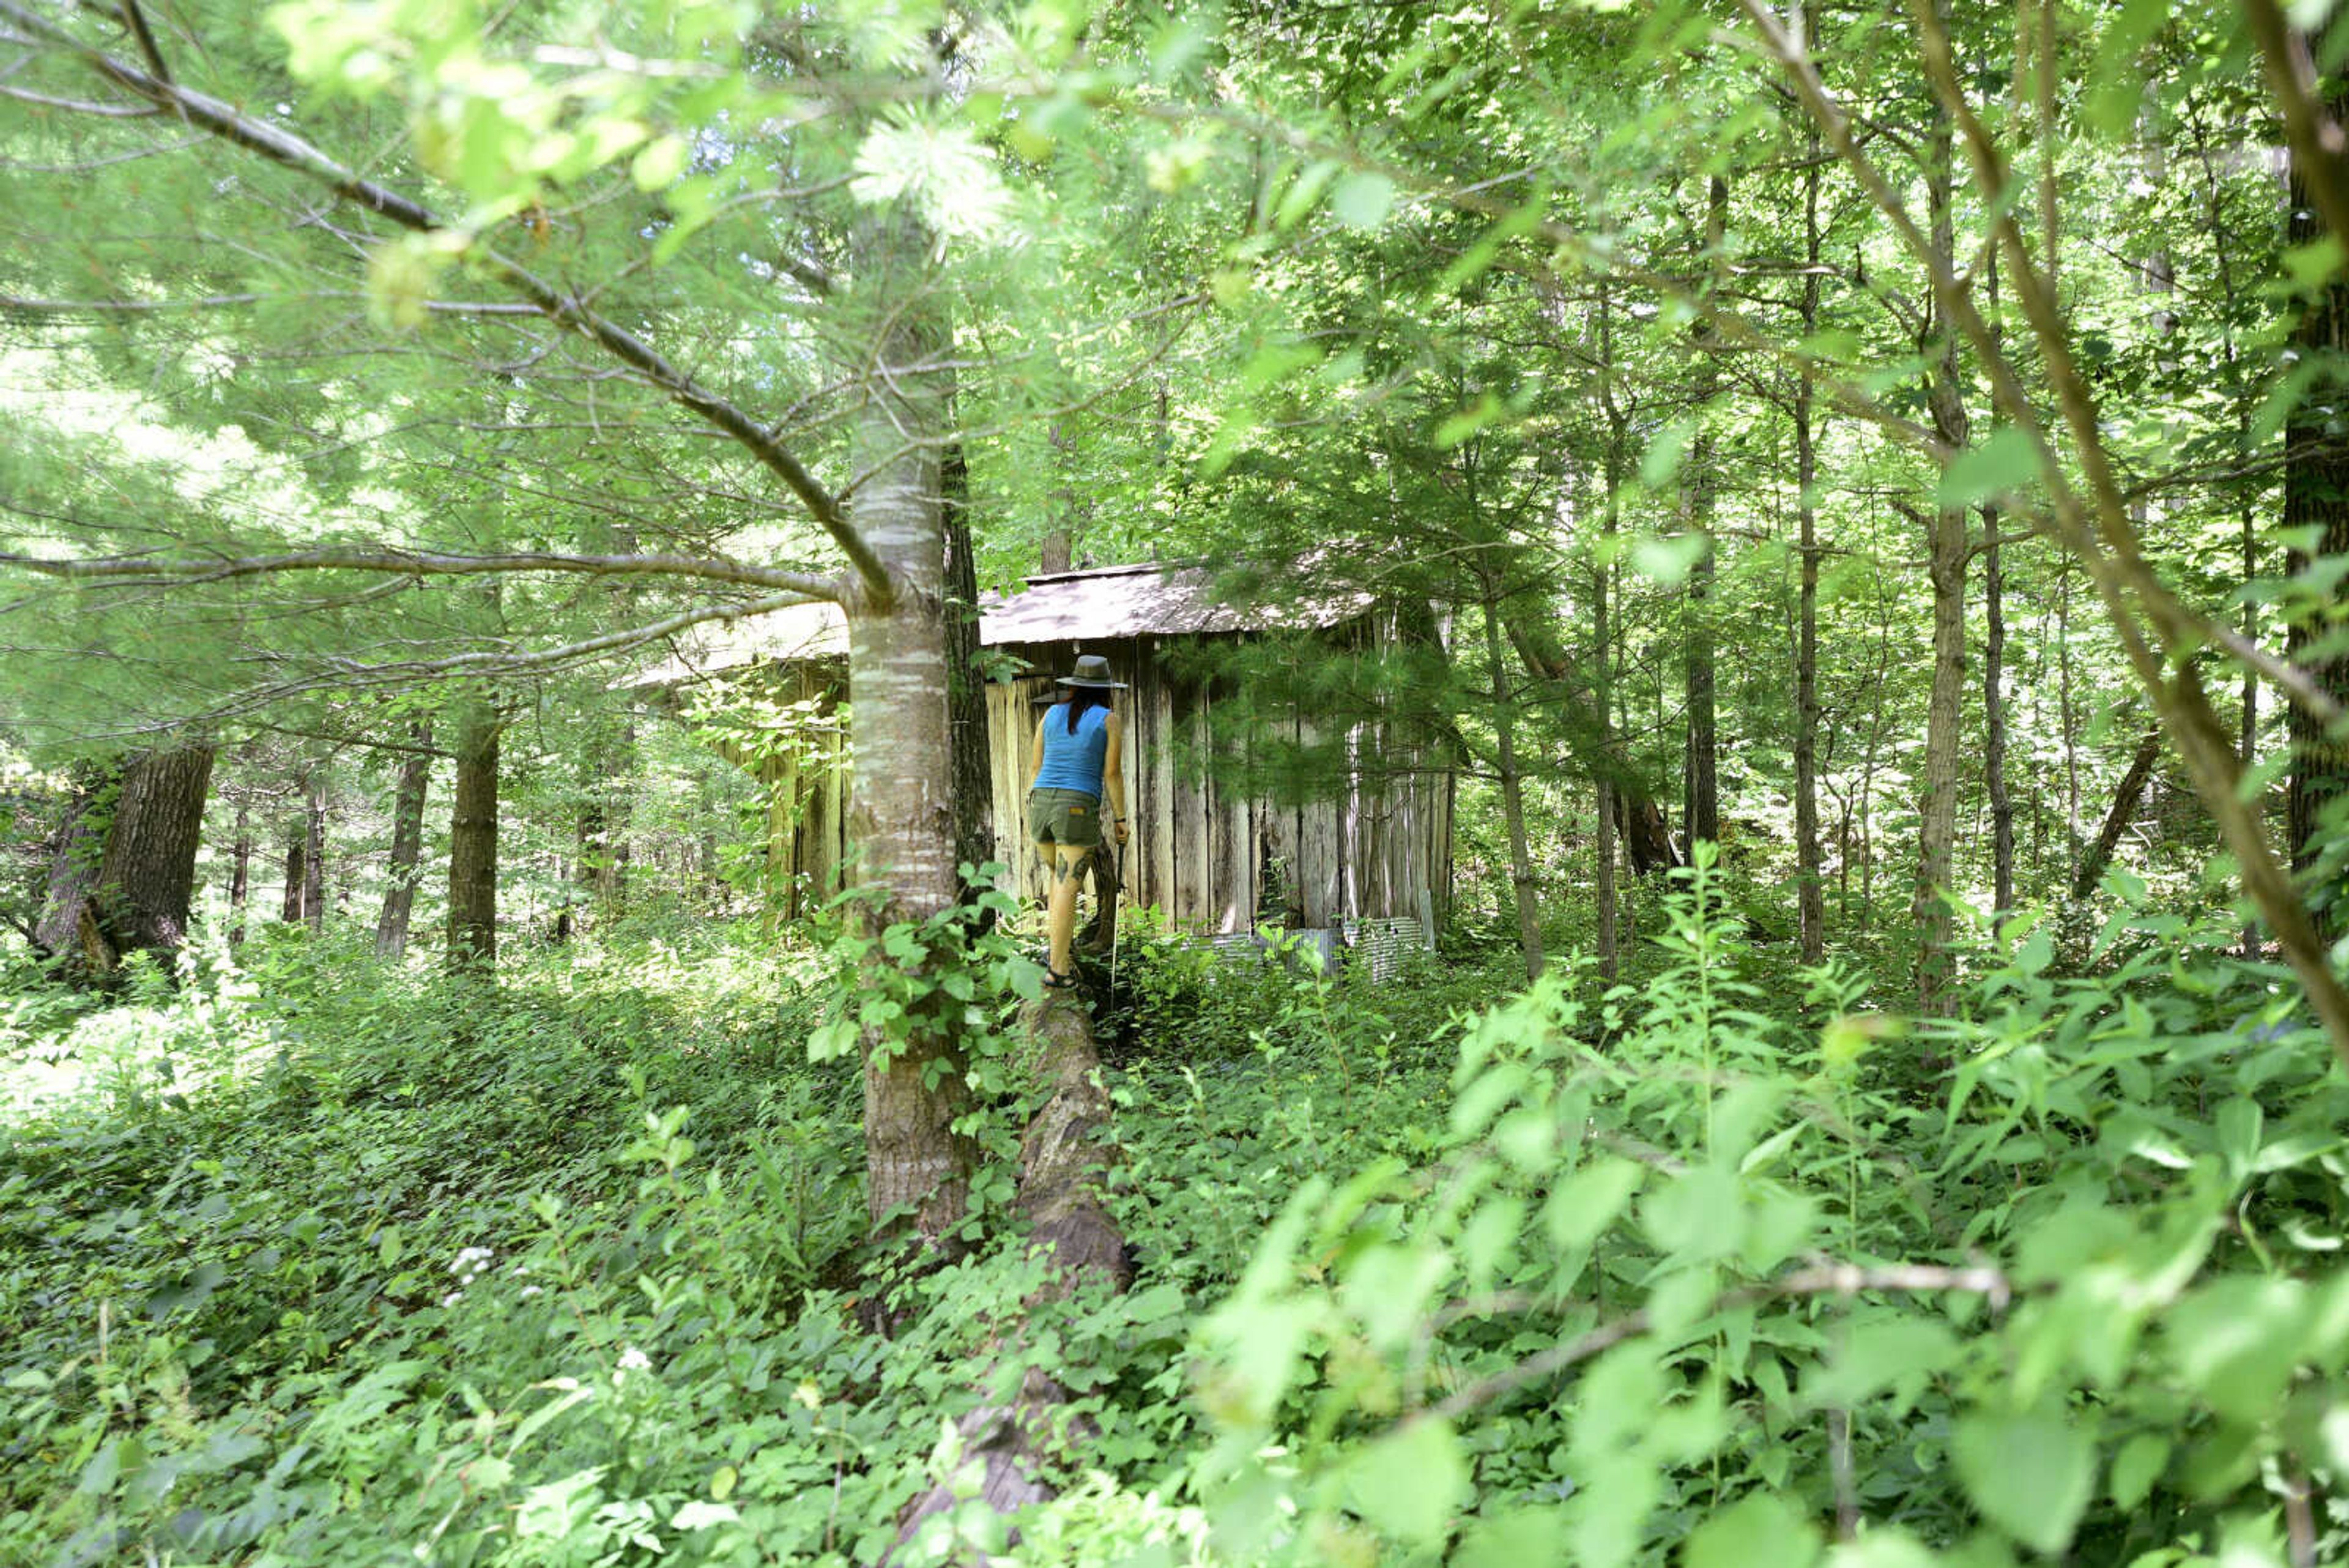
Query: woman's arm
[[1038, 771], [1113, 773]]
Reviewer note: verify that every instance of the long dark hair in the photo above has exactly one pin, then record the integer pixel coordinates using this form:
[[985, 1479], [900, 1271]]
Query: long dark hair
[[1082, 700]]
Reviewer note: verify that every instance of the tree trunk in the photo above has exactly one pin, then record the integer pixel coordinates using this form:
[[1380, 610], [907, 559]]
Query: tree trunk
[[901, 806], [1513, 796], [313, 854], [1067, 509], [473, 846], [406, 846], [2116, 820], [124, 873], [1810, 891], [296, 857], [2001, 806], [1602, 658], [1946, 565], [1064, 1154], [240, 876], [2316, 502], [1700, 808], [966, 687]]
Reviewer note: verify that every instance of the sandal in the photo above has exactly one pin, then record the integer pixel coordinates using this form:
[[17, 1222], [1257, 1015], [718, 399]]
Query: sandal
[[1055, 980]]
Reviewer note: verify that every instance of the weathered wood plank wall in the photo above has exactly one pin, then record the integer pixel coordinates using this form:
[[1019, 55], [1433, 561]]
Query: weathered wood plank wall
[[1199, 848]]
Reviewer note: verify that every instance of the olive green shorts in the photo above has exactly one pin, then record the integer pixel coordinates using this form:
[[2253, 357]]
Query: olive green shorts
[[1068, 816]]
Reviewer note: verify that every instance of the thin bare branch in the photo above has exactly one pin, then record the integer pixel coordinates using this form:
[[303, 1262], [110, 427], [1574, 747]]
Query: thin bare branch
[[1822, 1280]]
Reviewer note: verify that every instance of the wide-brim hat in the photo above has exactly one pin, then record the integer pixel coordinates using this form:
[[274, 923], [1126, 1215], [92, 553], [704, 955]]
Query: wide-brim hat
[[1092, 671]]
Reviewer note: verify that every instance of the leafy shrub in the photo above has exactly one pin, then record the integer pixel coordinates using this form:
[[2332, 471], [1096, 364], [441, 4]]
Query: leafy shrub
[[1689, 1275]]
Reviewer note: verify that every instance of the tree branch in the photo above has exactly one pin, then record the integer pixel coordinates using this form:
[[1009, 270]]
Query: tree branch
[[151, 570], [1824, 1280], [291, 151], [2314, 137], [353, 675]]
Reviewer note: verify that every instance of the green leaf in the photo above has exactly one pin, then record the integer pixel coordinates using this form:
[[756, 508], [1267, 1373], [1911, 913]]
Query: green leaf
[[700, 1516], [1589, 1202], [2238, 1123], [1662, 461], [659, 163], [2118, 90], [1510, 1540], [1410, 1483], [1362, 200], [2137, 1466], [1881, 1354], [2031, 1473], [1666, 562], [1758, 1528], [2004, 462]]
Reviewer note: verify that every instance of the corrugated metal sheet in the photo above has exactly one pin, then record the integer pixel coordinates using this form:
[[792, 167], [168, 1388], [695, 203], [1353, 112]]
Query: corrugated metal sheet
[[1108, 603]]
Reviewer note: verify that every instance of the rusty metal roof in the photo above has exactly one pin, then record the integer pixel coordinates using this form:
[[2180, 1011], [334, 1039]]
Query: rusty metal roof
[[1104, 604]]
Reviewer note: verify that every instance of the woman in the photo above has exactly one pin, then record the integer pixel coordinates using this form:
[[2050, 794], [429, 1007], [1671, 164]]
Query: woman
[[1077, 755]]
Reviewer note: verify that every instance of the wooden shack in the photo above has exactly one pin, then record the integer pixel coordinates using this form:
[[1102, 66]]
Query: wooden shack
[[1373, 845]]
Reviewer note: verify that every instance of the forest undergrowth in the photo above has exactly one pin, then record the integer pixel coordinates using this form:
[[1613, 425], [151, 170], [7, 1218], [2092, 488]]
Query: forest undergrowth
[[306, 1261]]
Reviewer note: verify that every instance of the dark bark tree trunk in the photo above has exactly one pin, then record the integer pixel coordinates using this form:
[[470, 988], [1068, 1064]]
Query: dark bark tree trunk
[[2001, 805], [66, 931], [2116, 820], [901, 807], [1701, 808], [296, 857], [314, 854], [240, 876], [473, 846], [1810, 891], [1067, 509], [1513, 795], [125, 870], [966, 687], [1602, 661], [1640, 821], [407, 848]]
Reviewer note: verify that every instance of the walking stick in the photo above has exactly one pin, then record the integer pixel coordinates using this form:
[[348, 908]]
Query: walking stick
[[1116, 925]]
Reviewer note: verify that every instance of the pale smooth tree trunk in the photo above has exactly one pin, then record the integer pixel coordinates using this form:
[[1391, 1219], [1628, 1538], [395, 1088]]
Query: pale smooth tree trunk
[[901, 795], [407, 848], [473, 845]]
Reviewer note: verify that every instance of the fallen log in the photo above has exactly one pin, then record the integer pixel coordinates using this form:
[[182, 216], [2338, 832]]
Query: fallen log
[[1064, 1155]]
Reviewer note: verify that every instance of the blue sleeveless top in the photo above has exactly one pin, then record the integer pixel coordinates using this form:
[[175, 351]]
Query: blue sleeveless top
[[1074, 762]]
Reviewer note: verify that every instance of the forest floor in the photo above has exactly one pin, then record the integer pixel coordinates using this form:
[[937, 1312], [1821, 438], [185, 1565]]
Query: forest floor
[[314, 1261]]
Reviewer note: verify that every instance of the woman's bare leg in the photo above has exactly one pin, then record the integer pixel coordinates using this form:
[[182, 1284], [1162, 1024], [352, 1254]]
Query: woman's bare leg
[[1060, 907]]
